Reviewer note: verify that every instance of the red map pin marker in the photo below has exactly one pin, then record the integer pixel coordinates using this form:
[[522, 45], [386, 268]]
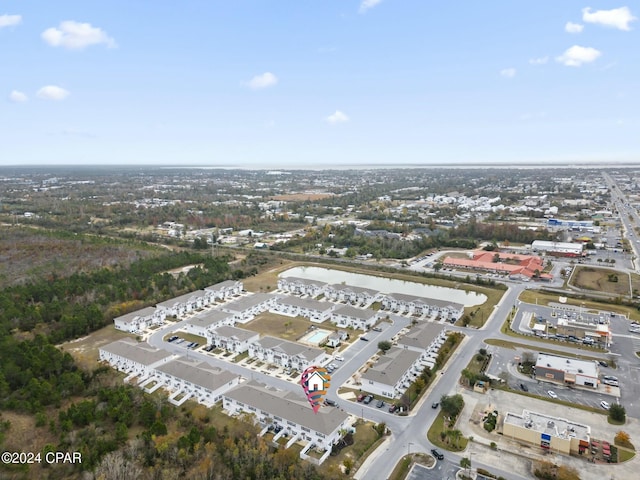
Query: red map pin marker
[[315, 382]]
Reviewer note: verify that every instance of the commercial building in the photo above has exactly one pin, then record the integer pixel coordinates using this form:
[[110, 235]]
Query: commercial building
[[562, 249], [515, 265], [553, 434], [567, 371]]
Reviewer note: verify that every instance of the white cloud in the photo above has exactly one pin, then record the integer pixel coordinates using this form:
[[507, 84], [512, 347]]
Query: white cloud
[[10, 20], [76, 36], [18, 97], [264, 80], [577, 55], [619, 18], [52, 92], [367, 4], [573, 27], [508, 72], [538, 61], [337, 117]]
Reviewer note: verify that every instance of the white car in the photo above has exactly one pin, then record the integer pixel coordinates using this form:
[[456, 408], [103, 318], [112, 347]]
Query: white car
[[552, 394], [339, 358], [604, 405]]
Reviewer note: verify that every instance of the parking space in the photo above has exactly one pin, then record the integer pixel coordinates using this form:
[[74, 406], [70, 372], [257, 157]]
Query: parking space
[[442, 470]]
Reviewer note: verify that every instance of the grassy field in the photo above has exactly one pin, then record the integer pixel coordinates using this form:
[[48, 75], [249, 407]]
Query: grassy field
[[364, 441], [514, 345], [85, 350], [289, 328], [434, 437], [598, 279]]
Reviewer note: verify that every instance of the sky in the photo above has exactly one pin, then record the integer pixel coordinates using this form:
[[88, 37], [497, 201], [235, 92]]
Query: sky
[[272, 83]]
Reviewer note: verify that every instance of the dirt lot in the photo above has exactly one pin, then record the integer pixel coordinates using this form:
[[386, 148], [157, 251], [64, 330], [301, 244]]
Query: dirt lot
[[85, 349], [273, 324], [598, 279]]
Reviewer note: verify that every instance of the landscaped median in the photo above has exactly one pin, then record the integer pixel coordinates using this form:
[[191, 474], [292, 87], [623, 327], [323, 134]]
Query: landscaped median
[[442, 432]]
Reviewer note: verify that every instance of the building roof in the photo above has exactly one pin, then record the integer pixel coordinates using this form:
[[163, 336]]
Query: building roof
[[222, 285], [305, 281], [239, 334], [288, 406], [181, 299], [245, 303], [143, 313], [309, 303], [141, 353], [588, 368], [350, 288], [198, 373], [554, 426], [361, 313], [208, 318], [421, 336], [290, 348], [391, 366]]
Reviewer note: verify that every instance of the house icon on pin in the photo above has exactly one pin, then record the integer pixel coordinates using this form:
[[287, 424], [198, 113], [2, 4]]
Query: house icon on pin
[[315, 382]]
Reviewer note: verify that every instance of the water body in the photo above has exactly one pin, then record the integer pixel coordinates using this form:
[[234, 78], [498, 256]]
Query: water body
[[387, 285]]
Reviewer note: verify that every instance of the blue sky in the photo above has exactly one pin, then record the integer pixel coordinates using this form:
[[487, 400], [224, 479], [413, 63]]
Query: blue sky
[[318, 82]]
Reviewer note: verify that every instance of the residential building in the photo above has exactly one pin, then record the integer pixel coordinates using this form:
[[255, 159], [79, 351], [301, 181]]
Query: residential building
[[424, 337], [291, 413], [139, 320], [135, 359], [350, 294], [233, 339], [301, 286], [286, 354], [346, 316], [550, 433], [192, 379], [393, 373], [205, 322], [224, 290], [567, 371], [421, 306], [183, 304], [244, 309], [314, 310]]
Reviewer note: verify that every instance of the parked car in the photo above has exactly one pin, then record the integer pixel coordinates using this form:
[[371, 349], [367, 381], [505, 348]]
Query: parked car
[[524, 388], [364, 339], [208, 348], [605, 405], [603, 363], [367, 400], [392, 408], [172, 338], [552, 394], [331, 403], [380, 404], [376, 329], [435, 404], [339, 358], [361, 397], [437, 454]]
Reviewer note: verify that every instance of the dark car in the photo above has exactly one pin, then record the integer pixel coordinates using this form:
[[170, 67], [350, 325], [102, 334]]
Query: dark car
[[367, 400], [208, 348], [435, 404], [364, 339], [392, 408], [524, 388], [380, 404], [603, 363], [172, 338], [437, 454], [331, 403]]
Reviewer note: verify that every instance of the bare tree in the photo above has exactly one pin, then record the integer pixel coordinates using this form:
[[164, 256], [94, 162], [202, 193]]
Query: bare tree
[[114, 466]]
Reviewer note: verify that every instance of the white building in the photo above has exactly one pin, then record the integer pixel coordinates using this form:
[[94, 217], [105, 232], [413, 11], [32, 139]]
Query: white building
[[558, 248], [198, 380], [351, 294], [183, 304], [233, 339], [314, 310], [412, 305], [139, 320], [347, 316], [286, 354], [204, 323], [290, 412], [393, 373], [424, 337], [245, 309], [135, 359], [301, 286], [567, 371], [224, 290]]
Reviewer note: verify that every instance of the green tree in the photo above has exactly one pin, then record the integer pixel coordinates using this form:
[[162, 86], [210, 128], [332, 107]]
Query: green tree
[[452, 405], [617, 413], [384, 345]]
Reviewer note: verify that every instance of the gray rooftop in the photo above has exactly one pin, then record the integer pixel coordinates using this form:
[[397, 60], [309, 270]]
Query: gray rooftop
[[141, 353], [554, 426], [247, 302], [239, 334], [361, 313], [309, 303], [222, 285], [181, 299], [198, 373], [144, 313], [568, 365], [425, 301], [288, 406], [351, 288], [391, 366], [208, 318], [422, 335], [290, 348], [305, 281]]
